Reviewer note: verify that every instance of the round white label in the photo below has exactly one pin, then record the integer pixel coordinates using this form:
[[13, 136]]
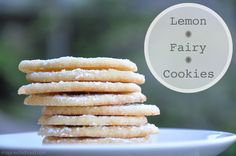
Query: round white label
[[188, 47]]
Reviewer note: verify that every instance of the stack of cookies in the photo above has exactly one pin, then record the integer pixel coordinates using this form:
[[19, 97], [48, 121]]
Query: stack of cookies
[[88, 100]]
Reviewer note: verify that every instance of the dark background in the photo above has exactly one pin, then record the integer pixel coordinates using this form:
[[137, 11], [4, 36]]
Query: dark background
[[89, 28]]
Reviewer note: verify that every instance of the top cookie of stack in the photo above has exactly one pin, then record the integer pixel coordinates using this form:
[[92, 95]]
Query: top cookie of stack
[[88, 97]]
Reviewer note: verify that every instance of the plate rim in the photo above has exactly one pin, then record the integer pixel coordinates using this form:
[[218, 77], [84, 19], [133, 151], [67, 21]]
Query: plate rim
[[230, 139]]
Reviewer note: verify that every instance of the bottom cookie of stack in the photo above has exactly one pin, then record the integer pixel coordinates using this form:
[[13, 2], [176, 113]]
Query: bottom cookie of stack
[[64, 129], [89, 140], [96, 134]]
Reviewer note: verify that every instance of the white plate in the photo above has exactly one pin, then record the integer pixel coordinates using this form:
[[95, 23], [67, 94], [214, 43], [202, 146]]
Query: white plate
[[170, 142]]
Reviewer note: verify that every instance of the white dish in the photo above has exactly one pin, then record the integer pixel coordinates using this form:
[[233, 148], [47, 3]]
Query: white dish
[[170, 142]]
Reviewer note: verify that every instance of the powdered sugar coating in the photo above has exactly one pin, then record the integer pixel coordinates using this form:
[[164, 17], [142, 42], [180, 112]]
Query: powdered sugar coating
[[71, 63], [109, 75], [91, 120], [120, 110], [85, 99], [56, 87], [62, 140], [99, 131]]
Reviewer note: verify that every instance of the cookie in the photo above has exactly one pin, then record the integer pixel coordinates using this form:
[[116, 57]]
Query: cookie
[[55, 87], [91, 120], [85, 99], [63, 140], [109, 75], [70, 63], [122, 110], [99, 131]]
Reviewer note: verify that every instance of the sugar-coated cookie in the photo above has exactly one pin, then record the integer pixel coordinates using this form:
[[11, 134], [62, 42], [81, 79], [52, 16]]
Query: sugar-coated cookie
[[84, 99], [91, 120], [70, 63], [109, 75], [57, 87], [120, 110], [64, 140], [99, 131]]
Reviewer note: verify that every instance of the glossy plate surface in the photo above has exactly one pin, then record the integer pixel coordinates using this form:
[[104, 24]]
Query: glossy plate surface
[[177, 142]]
